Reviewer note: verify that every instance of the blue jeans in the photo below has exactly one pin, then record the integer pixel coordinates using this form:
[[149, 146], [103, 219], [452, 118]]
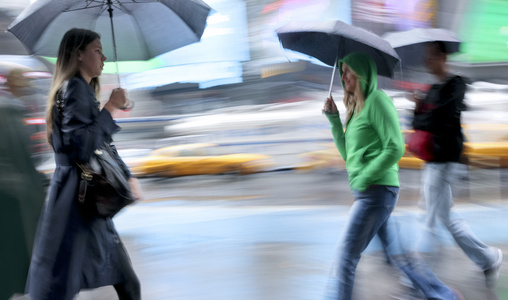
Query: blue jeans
[[436, 181], [369, 216]]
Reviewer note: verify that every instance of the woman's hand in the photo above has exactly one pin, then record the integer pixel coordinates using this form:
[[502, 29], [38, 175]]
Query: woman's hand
[[330, 107], [117, 100], [416, 96], [136, 190]]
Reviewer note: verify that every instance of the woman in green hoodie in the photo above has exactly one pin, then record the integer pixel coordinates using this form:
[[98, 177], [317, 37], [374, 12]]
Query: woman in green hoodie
[[371, 145]]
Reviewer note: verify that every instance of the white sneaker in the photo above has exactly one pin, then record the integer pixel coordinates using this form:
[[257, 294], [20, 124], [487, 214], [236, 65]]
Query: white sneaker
[[492, 273]]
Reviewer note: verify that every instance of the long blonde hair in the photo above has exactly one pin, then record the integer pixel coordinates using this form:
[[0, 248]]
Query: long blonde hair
[[67, 66], [354, 101]]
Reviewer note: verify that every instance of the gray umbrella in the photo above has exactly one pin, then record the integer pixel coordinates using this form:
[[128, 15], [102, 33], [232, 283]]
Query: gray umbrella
[[142, 30], [332, 40], [410, 44]]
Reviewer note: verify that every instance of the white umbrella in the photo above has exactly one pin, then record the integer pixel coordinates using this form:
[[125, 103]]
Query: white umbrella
[[137, 29]]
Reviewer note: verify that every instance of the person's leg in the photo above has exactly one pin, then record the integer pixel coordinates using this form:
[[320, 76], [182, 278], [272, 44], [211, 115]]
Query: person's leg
[[428, 240], [413, 267], [440, 201], [365, 217], [130, 288]]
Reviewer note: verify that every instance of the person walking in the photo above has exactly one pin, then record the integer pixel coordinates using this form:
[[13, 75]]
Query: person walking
[[371, 145], [439, 113], [21, 189], [74, 249]]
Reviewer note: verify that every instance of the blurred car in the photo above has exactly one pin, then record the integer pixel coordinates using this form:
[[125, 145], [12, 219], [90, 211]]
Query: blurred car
[[478, 154], [198, 159], [328, 158], [487, 155], [47, 164]]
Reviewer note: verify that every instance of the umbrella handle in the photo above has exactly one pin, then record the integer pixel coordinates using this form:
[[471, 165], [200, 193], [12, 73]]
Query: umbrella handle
[[129, 105], [333, 76]]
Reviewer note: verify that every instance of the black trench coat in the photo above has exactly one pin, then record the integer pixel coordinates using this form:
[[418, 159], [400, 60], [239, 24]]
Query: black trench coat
[[74, 250]]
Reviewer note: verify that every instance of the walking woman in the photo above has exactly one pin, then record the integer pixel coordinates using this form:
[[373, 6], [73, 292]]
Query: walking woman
[[371, 145], [73, 249]]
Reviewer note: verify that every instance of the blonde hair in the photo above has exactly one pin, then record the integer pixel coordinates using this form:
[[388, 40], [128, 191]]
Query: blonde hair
[[355, 101], [67, 66]]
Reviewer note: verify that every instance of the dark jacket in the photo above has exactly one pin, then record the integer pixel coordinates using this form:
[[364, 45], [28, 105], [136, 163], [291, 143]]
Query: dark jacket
[[439, 113], [74, 250], [21, 198]]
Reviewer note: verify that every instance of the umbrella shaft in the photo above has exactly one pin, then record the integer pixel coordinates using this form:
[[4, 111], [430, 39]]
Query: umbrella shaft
[[333, 76], [110, 10]]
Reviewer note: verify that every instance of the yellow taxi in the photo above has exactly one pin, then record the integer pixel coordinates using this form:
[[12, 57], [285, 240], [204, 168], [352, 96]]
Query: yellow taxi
[[198, 159], [480, 153]]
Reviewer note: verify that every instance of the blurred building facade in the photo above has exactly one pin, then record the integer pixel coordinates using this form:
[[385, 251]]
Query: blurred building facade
[[240, 61]]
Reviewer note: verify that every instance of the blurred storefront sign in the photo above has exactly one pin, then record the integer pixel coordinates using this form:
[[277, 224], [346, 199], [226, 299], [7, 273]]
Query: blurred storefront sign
[[381, 16], [484, 32]]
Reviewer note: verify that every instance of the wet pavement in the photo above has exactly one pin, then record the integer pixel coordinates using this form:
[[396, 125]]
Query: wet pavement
[[265, 238]]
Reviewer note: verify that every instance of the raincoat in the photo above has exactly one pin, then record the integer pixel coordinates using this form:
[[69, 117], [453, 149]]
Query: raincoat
[[372, 143], [74, 250]]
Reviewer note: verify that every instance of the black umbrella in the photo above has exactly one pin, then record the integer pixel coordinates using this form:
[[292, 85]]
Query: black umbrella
[[410, 44], [332, 40], [142, 29]]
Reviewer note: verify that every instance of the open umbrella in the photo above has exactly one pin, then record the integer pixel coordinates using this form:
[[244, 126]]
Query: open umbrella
[[138, 29], [410, 44], [332, 40]]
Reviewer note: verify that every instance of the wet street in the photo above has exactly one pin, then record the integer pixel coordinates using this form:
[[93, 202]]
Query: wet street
[[272, 236]]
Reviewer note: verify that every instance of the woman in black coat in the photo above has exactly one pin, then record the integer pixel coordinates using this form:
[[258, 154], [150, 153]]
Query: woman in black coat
[[73, 249]]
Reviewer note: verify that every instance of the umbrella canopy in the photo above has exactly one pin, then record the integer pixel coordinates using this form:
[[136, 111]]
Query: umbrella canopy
[[410, 44], [332, 40], [143, 29]]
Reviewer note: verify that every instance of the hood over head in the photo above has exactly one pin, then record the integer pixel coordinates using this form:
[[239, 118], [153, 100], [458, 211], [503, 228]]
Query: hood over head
[[363, 66]]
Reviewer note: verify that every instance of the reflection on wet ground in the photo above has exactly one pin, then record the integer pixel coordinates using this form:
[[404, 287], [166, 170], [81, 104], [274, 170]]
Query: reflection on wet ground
[[273, 237]]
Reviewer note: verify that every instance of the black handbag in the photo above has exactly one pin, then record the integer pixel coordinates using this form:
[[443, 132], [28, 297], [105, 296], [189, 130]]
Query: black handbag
[[104, 187]]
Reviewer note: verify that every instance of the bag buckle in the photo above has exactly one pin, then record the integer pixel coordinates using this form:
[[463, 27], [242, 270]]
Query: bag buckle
[[86, 176]]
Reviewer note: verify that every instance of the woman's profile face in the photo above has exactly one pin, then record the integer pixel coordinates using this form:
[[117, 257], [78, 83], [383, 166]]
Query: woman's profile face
[[349, 79], [91, 60]]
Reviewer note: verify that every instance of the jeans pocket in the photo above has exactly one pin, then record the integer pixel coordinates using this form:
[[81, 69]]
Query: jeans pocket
[[391, 197], [393, 189]]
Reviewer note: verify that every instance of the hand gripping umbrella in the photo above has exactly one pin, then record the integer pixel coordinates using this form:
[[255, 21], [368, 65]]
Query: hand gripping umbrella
[[143, 28], [332, 40]]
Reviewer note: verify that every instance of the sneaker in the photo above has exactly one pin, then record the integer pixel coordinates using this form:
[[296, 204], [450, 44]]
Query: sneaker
[[492, 273]]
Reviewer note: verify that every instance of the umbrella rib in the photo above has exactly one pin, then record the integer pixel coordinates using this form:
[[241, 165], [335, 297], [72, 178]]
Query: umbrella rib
[[143, 1], [85, 7], [144, 41], [103, 9], [119, 5]]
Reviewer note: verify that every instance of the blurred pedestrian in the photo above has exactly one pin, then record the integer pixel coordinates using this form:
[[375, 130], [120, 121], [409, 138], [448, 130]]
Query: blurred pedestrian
[[439, 113], [21, 189], [371, 145], [75, 250]]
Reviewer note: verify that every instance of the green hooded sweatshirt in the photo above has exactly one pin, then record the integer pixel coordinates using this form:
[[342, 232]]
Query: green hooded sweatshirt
[[372, 143]]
